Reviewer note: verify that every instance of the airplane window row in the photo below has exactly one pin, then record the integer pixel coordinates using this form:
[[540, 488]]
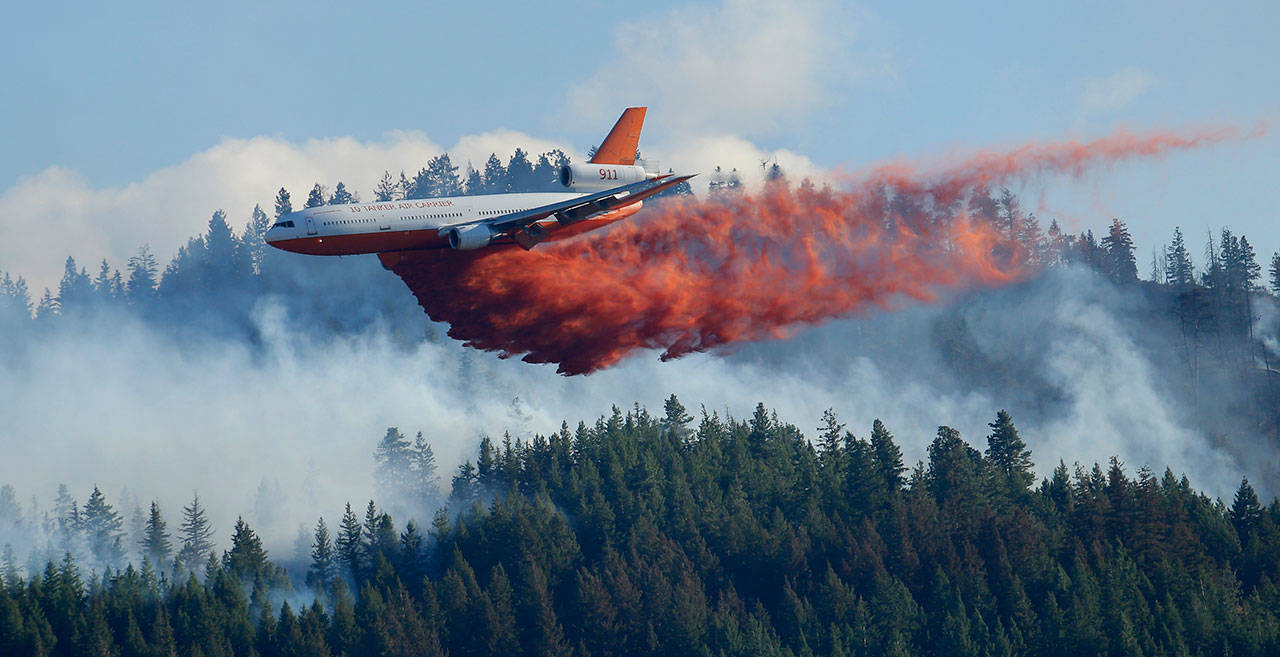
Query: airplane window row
[[431, 216]]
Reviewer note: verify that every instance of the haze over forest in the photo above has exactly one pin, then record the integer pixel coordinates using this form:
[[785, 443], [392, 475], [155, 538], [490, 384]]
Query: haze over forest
[[129, 368]]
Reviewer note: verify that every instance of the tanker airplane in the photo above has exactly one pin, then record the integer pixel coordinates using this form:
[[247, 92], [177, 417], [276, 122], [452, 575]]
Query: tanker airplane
[[608, 188]]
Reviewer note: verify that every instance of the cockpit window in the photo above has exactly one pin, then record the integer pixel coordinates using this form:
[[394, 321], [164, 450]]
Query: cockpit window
[[283, 224]]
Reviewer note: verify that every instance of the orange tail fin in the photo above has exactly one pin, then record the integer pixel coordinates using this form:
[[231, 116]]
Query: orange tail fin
[[620, 146]]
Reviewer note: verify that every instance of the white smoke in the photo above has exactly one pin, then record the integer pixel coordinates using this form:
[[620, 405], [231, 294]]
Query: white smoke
[[124, 407]]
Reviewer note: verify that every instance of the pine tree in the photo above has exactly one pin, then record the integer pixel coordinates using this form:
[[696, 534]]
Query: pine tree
[[66, 513], [403, 186], [349, 544], [675, 420], [464, 489], [387, 189], [247, 559], [342, 196], [48, 306], [1009, 211], [495, 176], [520, 172], [1008, 454], [499, 615], [324, 566], [420, 186], [411, 565], [1121, 266], [102, 286], [1275, 273], [953, 472], [442, 177], [155, 543], [475, 182], [283, 204], [196, 533], [887, 455], [9, 574], [103, 528], [219, 257], [380, 539], [1179, 271], [424, 470], [1212, 277], [15, 299], [1245, 510], [75, 290], [394, 458], [546, 173], [315, 199], [829, 437], [1250, 272], [253, 240]]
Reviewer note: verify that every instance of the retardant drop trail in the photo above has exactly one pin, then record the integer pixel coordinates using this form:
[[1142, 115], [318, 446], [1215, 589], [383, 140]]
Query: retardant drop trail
[[689, 275]]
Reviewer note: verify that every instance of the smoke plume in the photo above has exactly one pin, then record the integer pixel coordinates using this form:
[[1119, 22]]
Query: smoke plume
[[692, 275]]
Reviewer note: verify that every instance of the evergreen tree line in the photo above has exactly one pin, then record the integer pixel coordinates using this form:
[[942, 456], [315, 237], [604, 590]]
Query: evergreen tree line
[[645, 534], [216, 279], [98, 536]]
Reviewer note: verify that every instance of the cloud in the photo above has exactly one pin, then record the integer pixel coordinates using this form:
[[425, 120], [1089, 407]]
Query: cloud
[[743, 66], [703, 154], [57, 213], [1113, 93], [475, 149]]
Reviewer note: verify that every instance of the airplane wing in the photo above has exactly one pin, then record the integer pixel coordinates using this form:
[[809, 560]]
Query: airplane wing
[[524, 228]]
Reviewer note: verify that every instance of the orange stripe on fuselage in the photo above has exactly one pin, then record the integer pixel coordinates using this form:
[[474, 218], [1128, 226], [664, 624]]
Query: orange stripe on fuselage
[[353, 244]]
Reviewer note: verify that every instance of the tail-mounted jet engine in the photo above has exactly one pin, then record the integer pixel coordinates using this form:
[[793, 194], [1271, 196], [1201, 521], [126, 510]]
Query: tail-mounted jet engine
[[599, 177]]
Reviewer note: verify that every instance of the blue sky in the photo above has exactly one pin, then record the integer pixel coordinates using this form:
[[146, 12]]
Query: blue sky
[[113, 98]]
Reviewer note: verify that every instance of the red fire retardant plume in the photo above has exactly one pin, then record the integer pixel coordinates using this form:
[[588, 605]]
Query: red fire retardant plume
[[689, 275]]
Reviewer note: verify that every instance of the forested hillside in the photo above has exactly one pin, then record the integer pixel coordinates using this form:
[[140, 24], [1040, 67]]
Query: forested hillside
[[649, 534], [664, 534]]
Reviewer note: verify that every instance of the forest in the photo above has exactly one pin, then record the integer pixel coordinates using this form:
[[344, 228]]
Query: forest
[[644, 534], [669, 534]]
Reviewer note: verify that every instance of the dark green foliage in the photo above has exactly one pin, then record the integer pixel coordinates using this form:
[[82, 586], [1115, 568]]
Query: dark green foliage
[[316, 198], [1119, 263], [438, 178], [283, 205], [247, 559], [155, 543], [395, 463], [324, 560], [1009, 456], [197, 535], [739, 538], [349, 543], [1274, 271], [102, 528], [1179, 272], [342, 195], [494, 177], [388, 188]]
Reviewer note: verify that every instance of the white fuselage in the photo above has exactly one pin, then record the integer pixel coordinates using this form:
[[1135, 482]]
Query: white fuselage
[[403, 225]]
